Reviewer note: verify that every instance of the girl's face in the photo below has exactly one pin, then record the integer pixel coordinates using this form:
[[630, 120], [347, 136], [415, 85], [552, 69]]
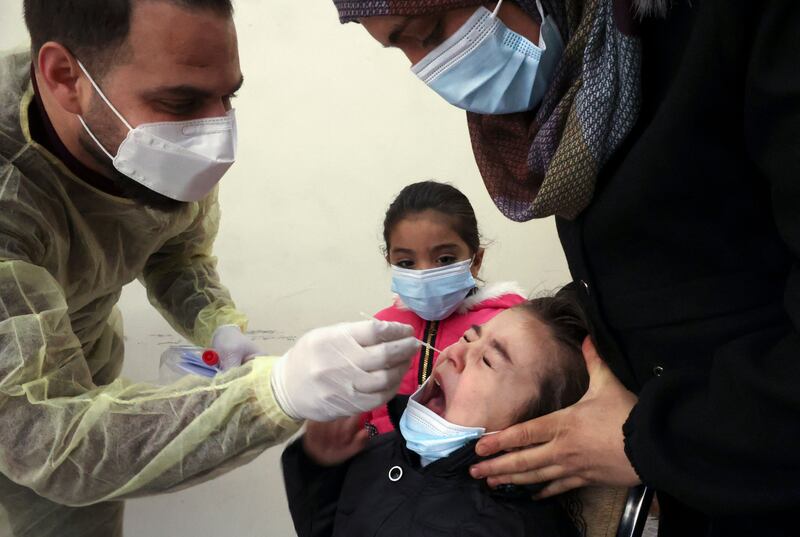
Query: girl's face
[[493, 373], [427, 240]]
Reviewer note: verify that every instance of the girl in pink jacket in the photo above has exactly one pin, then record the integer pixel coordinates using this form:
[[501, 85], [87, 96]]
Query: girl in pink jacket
[[433, 245]]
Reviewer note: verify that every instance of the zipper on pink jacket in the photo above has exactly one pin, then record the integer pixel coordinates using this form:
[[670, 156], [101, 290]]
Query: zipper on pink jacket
[[426, 354]]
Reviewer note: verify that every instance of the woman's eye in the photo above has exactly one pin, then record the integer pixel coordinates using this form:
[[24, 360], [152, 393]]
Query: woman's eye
[[405, 263], [485, 361], [447, 260], [435, 37]]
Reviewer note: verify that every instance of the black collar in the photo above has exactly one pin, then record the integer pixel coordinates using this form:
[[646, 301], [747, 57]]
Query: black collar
[[455, 465]]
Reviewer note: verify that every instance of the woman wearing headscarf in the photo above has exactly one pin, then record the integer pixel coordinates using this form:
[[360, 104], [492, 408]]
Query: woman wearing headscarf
[[665, 139]]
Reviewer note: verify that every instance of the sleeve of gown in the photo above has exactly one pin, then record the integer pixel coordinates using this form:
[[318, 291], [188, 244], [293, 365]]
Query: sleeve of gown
[[182, 280], [727, 442], [313, 491], [77, 444]]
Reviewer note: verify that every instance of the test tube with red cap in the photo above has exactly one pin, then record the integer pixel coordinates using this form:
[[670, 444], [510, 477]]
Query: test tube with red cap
[[210, 357], [180, 360]]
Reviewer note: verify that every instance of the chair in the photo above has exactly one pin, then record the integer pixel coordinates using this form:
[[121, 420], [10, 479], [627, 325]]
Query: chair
[[609, 511]]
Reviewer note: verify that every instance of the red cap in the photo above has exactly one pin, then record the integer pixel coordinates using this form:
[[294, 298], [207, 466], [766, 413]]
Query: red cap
[[210, 357]]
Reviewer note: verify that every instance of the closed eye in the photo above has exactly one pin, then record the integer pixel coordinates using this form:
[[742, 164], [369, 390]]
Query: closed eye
[[435, 37], [485, 361], [180, 108]]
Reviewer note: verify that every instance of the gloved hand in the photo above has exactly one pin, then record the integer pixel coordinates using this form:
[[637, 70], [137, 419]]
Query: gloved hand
[[343, 370], [233, 347]]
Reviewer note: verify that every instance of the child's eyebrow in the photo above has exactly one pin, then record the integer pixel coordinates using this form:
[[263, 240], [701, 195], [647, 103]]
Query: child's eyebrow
[[447, 246], [499, 347]]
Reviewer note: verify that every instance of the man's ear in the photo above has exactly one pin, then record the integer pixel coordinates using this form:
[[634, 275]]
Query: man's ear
[[476, 264], [59, 72]]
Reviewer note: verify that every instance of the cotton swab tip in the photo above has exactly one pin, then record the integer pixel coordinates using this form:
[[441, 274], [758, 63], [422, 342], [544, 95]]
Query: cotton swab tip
[[426, 345]]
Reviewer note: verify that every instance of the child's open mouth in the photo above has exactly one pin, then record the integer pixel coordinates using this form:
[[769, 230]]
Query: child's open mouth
[[433, 397]]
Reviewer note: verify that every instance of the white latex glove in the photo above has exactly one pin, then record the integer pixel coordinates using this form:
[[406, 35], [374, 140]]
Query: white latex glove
[[343, 370], [233, 347]]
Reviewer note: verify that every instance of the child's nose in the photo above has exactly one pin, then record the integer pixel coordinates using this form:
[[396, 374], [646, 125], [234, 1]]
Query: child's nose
[[458, 355]]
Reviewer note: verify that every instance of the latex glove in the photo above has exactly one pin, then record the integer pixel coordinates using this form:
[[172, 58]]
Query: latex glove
[[233, 347], [343, 370]]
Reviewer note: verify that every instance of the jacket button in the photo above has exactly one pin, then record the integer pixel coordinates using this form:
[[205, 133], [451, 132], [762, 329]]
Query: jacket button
[[585, 285], [658, 370], [395, 474]]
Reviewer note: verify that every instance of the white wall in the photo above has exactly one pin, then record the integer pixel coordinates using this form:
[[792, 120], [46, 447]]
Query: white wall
[[331, 128]]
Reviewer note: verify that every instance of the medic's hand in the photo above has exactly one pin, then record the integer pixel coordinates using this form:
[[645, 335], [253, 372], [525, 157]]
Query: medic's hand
[[577, 446], [233, 347], [343, 370], [333, 442]]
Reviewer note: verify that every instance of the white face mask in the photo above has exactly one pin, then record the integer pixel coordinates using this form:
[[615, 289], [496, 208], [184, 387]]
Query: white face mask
[[182, 160]]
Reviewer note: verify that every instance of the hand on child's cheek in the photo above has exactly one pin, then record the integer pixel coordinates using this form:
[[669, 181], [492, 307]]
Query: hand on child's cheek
[[332, 443], [571, 448]]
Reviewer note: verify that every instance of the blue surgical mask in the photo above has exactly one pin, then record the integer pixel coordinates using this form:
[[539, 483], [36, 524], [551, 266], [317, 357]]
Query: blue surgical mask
[[487, 68], [431, 436], [433, 294]]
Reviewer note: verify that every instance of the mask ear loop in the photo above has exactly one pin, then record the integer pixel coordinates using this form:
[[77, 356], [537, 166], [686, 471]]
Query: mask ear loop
[[497, 9], [103, 96], [540, 8], [93, 137], [542, 45], [108, 103]]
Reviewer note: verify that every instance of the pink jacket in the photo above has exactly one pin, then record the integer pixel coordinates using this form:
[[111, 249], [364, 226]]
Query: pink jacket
[[477, 309]]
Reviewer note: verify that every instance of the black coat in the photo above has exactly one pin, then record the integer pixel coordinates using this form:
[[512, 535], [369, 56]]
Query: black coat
[[687, 260], [384, 492]]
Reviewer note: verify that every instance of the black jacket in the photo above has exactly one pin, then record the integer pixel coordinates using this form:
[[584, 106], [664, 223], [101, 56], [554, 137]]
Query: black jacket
[[384, 492], [687, 260]]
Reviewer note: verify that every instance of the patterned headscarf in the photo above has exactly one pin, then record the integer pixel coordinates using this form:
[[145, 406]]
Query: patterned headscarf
[[546, 162]]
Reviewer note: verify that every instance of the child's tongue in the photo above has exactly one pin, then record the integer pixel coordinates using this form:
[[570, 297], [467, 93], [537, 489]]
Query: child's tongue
[[433, 398]]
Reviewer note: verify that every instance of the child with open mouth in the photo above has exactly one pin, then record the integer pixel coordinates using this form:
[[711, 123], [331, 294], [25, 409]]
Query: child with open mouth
[[523, 363]]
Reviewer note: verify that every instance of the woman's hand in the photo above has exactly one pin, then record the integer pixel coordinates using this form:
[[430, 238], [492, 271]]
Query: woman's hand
[[574, 447], [331, 443]]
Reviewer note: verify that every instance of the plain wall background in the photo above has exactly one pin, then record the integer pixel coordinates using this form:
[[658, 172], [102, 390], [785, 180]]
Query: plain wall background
[[331, 127]]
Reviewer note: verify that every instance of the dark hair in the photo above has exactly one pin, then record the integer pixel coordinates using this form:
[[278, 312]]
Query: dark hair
[[93, 30], [434, 196], [566, 380]]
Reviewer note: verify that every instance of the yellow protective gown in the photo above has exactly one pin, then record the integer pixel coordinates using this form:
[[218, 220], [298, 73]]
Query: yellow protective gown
[[75, 439]]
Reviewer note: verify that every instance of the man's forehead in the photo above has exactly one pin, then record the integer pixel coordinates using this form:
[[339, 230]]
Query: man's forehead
[[190, 37], [172, 45]]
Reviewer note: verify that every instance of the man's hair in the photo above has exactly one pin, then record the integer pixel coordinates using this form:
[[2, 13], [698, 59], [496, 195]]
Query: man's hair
[[566, 379], [94, 30]]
